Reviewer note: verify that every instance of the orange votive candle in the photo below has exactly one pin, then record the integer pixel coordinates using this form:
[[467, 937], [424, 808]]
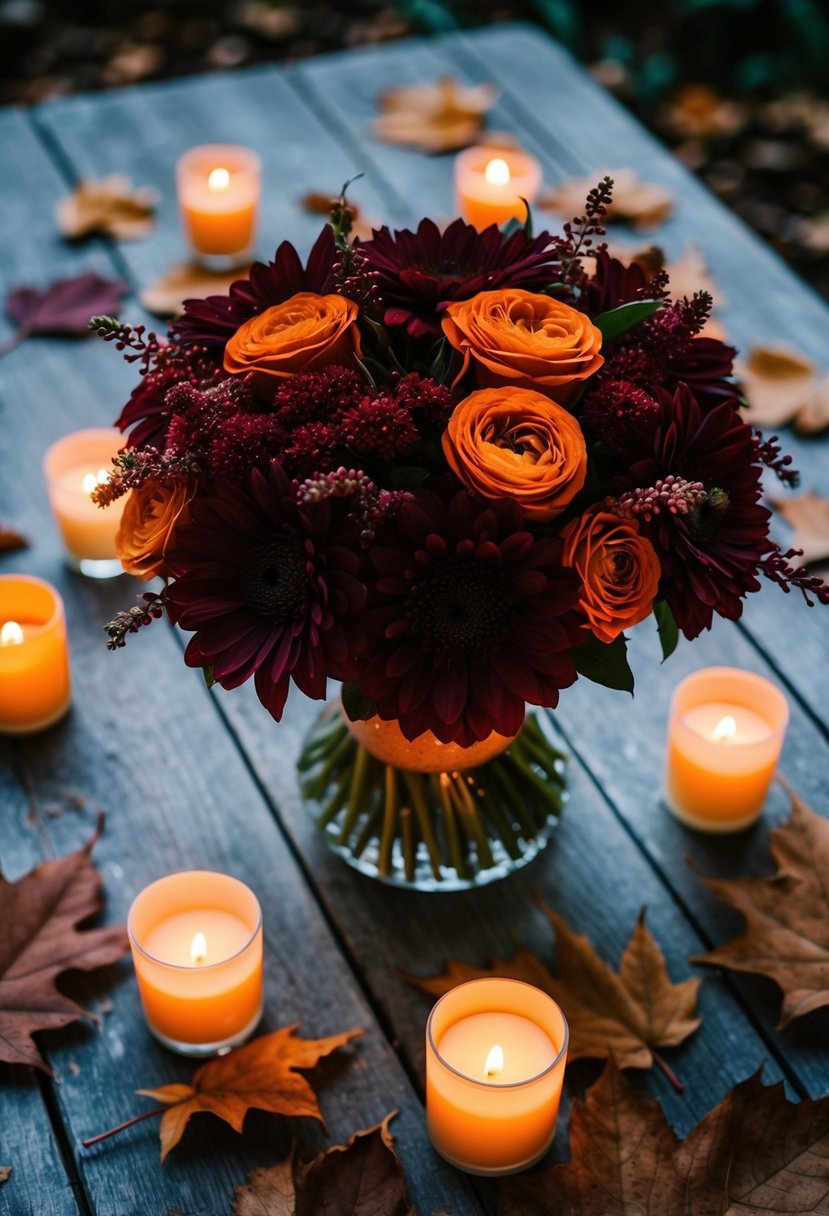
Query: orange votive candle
[[196, 941], [74, 466], [35, 687], [491, 184], [218, 194], [724, 738], [495, 1056]]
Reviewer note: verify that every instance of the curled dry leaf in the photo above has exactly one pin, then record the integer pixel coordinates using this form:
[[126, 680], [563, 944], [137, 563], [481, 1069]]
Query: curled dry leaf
[[787, 916], [625, 1015], [755, 1152], [439, 117], [186, 281], [361, 1178], [783, 385], [5, 1173], [808, 514], [642, 204], [11, 539], [40, 940], [111, 206], [318, 203]]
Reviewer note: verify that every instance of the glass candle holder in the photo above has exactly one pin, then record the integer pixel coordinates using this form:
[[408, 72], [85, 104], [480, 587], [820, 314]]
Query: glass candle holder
[[218, 195], [725, 734], [35, 685], [74, 466], [495, 1056], [491, 184], [196, 940]]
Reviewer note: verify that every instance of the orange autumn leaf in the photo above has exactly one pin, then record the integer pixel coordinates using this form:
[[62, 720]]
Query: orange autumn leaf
[[642, 204], [262, 1075], [808, 514], [783, 385], [439, 117], [186, 281], [111, 206], [11, 539], [316, 202]]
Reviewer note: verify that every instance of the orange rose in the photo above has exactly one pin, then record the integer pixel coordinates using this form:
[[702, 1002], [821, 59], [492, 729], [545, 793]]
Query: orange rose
[[151, 514], [521, 337], [618, 568], [516, 443], [302, 334]]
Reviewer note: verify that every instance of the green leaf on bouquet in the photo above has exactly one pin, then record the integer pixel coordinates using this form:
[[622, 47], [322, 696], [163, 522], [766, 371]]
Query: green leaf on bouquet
[[605, 664], [667, 627], [619, 320], [357, 707]]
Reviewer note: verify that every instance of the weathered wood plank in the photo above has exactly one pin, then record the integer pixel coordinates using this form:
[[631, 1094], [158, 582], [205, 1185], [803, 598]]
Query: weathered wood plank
[[144, 742]]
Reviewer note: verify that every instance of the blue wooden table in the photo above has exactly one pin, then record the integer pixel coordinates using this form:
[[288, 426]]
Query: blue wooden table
[[193, 779]]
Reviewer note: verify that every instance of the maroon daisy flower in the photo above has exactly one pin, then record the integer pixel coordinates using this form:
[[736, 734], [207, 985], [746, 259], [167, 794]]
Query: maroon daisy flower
[[210, 322], [470, 617], [418, 273], [698, 501], [272, 589]]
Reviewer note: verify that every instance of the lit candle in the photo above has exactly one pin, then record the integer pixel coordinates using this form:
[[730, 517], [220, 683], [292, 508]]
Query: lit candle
[[495, 1056], [218, 193], [74, 466], [490, 184], [724, 739], [35, 688], [196, 943]]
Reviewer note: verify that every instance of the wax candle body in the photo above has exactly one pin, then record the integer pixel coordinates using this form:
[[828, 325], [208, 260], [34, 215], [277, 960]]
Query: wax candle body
[[74, 466], [495, 1057], [198, 998], [35, 687], [218, 192], [490, 184], [724, 740]]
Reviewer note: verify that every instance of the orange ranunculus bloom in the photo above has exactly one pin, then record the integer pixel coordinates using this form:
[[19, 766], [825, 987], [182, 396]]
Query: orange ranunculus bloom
[[521, 337], [618, 568], [302, 334], [148, 524], [516, 443]]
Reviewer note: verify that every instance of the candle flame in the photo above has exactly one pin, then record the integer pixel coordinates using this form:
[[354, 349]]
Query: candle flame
[[494, 1062], [11, 634], [725, 729], [91, 481], [218, 179], [497, 172], [198, 950]]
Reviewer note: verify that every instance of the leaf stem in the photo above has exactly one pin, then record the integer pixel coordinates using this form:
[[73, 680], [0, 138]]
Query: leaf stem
[[148, 1114], [668, 1071]]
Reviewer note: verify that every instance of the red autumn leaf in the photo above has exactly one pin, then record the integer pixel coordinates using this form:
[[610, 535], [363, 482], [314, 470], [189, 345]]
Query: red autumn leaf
[[64, 306]]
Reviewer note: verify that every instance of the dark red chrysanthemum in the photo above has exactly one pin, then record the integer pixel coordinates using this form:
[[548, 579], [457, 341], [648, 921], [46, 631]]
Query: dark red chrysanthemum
[[418, 273], [613, 284], [698, 500], [470, 616], [210, 322], [273, 590]]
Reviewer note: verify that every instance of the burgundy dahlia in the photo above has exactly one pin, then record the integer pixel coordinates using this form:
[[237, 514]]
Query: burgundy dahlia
[[470, 616], [418, 273], [271, 589]]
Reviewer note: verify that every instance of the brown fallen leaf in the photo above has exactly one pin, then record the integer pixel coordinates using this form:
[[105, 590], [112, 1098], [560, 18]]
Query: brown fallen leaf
[[11, 539], [787, 916], [186, 281], [261, 1075], [361, 1178], [782, 385], [698, 110], [40, 941], [808, 514], [318, 203], [439, 117], [111, 206], [625, 1015], [5, 1173], [755, 1152], [642, 204]]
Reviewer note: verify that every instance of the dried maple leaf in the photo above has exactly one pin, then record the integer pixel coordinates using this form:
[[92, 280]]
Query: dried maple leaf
[[64, 307], [642, 204], [625, 1016], [361, 1178], [808, 514], [40, 941], [11, 539], [787, 916], [438, 117], [111, 206], [186, 281], [782, 385], [262, 1074], [755, 1152]]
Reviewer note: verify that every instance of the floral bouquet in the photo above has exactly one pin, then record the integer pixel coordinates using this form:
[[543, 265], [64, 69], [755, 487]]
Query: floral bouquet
[[448, 469]]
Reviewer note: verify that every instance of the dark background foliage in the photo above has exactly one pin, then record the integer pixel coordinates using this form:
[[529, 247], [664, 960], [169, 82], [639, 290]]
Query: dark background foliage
[[737, 87]]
